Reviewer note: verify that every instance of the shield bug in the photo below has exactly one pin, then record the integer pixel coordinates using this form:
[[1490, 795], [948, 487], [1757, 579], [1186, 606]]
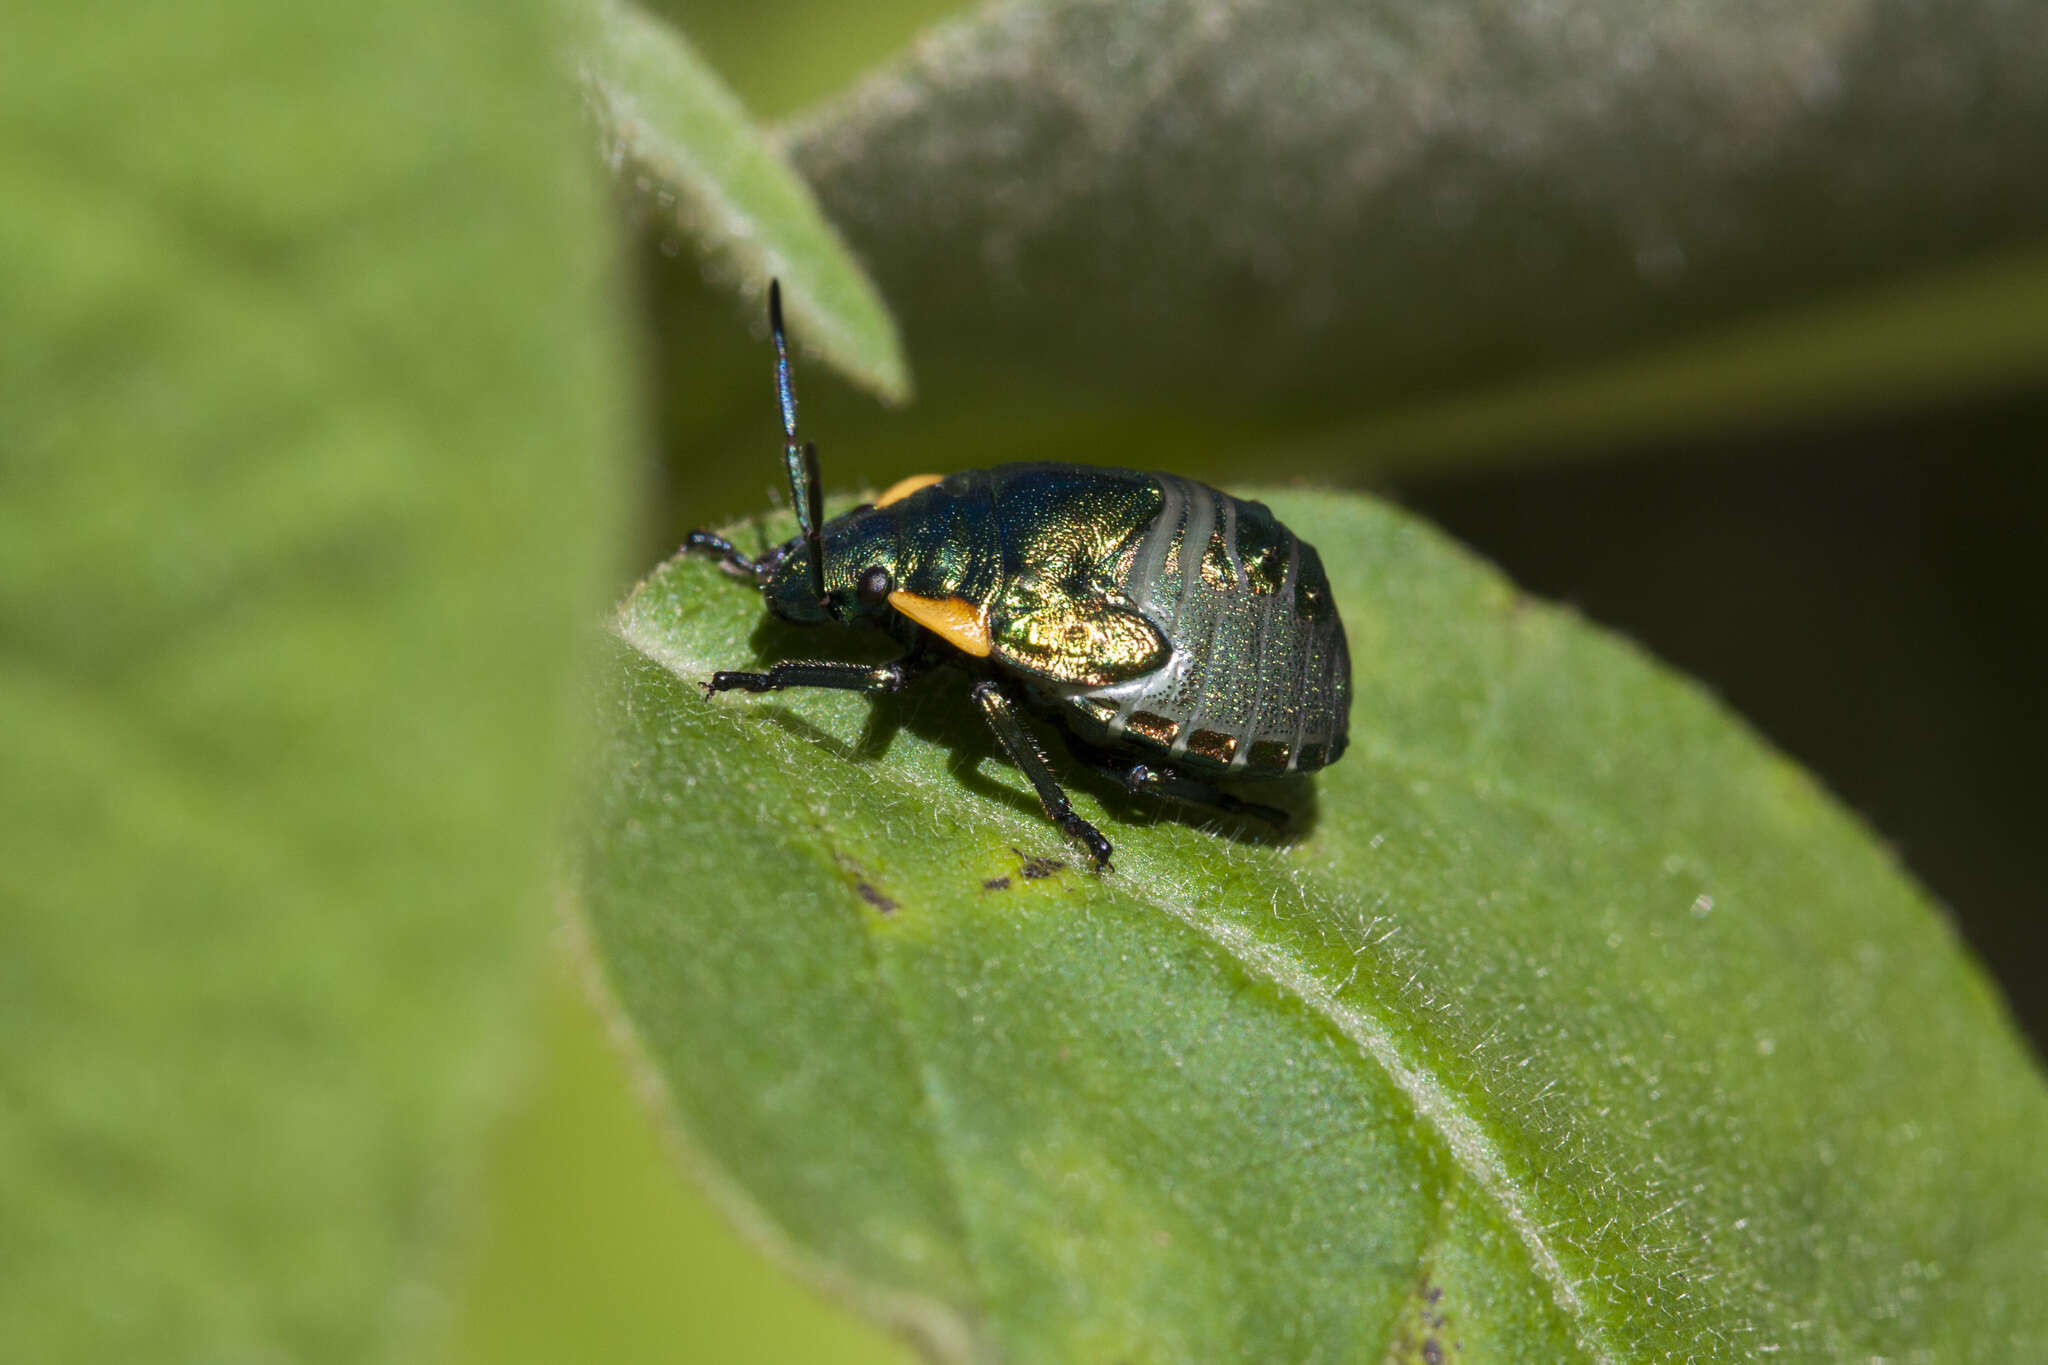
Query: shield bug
[[1175, 634]]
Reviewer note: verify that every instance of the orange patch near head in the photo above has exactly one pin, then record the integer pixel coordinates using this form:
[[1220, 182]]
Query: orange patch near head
[[955, 620], [903, 488]]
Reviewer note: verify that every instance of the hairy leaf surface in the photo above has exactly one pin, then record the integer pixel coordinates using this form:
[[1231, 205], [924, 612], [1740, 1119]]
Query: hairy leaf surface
[[1278, 210], [1570, 1023]]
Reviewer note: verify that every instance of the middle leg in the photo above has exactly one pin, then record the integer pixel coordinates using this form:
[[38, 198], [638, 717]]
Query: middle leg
[[1023, 750]]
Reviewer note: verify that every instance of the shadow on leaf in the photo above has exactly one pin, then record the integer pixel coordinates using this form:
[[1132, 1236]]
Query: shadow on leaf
[[934, 708]]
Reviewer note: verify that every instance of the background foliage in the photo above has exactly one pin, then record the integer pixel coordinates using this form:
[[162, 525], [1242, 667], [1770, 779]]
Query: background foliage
[[1726, 323], [310, 388], [1793, 492]]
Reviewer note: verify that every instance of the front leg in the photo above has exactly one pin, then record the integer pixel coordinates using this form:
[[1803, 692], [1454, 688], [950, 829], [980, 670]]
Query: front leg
[[731, 559], [893, 676]]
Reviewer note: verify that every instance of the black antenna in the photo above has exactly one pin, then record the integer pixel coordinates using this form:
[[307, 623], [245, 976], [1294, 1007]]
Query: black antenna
[[801, 457]]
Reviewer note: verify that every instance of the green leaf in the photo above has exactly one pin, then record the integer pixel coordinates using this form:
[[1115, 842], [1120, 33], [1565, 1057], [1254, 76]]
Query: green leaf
[[1245, 211], [781, 56], [1574, 1024], [1960, 335], [309, 416], [594, 1251], [698, 160]]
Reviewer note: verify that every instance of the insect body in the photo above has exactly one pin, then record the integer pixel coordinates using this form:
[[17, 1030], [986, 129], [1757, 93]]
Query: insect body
[[1177, 634]]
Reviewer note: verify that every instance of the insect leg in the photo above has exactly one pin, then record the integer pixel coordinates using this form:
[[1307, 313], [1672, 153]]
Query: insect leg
[[1023, 750], [730, 558], [1156, 779], [893, 676]]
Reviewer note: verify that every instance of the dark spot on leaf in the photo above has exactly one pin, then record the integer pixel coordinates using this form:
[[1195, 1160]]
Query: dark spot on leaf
[[1036, 869], [996, 884], [1420, 1337], [881, 900]]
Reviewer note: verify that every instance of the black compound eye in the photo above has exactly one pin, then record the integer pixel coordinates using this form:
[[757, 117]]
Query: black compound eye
[[875, 586]]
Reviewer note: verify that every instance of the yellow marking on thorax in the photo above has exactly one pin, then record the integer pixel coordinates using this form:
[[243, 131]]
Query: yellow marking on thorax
[[903, 488], [955, 620]]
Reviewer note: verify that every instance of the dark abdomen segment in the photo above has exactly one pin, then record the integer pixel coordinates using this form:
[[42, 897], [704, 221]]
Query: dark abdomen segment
[[1259, 683]]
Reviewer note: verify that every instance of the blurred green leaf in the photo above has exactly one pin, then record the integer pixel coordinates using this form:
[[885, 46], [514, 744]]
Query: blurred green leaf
[[1576, 1025], [781, 55], [698, 161], [1958, 335], [594, 1250], [310, 406], [1248, 212]]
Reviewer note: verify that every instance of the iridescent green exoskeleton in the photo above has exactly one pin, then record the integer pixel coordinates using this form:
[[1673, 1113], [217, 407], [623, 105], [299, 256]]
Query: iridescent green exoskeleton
[[1178, 635]]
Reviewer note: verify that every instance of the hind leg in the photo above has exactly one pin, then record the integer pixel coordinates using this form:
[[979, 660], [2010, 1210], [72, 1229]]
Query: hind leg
[[1146, 777]]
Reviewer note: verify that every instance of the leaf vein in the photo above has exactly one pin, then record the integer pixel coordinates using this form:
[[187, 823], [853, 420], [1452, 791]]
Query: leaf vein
[[1460, 1130]]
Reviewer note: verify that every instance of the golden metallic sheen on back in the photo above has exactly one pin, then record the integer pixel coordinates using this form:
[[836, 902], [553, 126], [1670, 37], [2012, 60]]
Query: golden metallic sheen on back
[[1256, 677], [1080, 639]]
